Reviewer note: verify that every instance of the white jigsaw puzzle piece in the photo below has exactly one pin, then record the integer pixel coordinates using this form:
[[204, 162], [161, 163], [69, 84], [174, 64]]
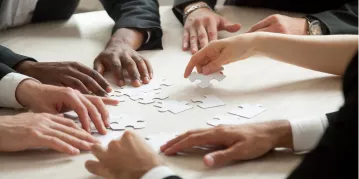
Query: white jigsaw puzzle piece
[[206, 79], [157, 140], [226, 120], [121, 122], [248, 111], [173, 106], [118, 97], [209, 101]]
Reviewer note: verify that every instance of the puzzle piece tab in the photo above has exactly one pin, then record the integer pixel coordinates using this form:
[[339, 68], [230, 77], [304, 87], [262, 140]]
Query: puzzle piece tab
[[173, 106], [145, 88], [209, 101], [206, 79], [226, 120], [248, 111]]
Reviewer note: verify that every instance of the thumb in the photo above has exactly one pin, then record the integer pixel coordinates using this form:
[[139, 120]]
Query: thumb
[[219, 158], [215, 65], [228, 26], [98, 66], [97, 168]]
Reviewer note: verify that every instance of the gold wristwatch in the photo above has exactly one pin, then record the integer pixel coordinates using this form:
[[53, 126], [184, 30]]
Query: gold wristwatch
[[193, 8]]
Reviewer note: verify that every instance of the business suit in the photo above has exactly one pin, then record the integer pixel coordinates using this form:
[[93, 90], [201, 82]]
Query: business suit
[[336, 155], [137, 14], [339, 17]]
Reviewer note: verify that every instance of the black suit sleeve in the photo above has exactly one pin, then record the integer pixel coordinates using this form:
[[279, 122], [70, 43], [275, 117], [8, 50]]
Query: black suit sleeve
[[173, 177], [137, 14], [11, 59], [336, 155], [180, 5], [4, 70], [340, 21]]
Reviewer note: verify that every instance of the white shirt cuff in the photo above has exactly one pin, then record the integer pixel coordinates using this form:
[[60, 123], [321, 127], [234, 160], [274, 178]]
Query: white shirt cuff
[[159, 172], [307, 132], [8, 85], [148, 37]]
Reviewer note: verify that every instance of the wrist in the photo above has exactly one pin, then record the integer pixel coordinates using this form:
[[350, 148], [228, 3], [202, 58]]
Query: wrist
[[281, 133], [193, 4], [24, 67], [131, 37], [26, 92]]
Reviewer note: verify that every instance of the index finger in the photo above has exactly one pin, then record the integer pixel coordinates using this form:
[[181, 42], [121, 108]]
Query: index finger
[[261, 25], [195, 59], [96, 76], [191, 141]]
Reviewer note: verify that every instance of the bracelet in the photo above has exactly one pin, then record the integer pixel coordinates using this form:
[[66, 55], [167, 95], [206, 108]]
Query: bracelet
[[193, 8]]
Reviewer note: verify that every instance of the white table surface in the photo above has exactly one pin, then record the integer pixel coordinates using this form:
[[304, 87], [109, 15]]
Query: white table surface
[[287, 91]]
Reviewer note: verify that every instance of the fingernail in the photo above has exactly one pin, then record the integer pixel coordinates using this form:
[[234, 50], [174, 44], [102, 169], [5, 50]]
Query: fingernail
[[122, 83], [151, 75], [108, 89], [185, 45], [209, 160], [75, 151], [205, 70], [146, 79]]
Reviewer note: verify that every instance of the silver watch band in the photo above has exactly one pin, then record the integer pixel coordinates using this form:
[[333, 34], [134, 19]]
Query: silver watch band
[[193, 8]]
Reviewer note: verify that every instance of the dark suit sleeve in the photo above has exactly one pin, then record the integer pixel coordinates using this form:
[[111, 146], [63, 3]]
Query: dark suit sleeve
[[138, 14], [180, 5], [11, 59], [336, 155], [4, 70], [331, 117], [340, 21], [173, 177]]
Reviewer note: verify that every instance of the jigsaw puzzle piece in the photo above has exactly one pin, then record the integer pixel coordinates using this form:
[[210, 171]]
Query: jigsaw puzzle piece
[[205, 80], [157, 140], [173, 106], [155, 84], [148, 98], [226, 120], [121, 122], [209, 101], [248, 111]]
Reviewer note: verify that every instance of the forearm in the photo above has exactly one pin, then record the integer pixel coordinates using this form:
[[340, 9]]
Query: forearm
[[329, 54]]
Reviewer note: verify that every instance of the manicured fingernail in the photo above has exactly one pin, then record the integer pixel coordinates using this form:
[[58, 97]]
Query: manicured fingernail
[[146, 79], [185, 45], [108, 89], [75, 151], [205, 70], [209, 160]]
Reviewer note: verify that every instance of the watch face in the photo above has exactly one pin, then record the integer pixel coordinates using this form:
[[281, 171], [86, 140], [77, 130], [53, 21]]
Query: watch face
[[315, 28]]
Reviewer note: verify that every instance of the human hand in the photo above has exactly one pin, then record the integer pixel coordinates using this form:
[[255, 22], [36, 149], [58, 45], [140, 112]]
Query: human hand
[[202, 26], [129, 157], [52, 99], [241, 142], [31, 130], [221, 52], [120, 55], [282, 24], [69, 74]]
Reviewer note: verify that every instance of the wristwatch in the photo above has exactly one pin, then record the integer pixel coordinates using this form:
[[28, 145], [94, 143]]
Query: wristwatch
[[193, 8], [315, 27]]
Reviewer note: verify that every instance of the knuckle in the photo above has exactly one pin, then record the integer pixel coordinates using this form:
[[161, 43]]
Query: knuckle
[[113, 145], [197, 22], [201, 36], [221, 129], [193, 38]]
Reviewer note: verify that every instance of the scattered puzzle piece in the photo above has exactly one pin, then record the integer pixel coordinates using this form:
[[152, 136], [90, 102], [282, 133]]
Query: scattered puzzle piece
[[226, 120], [209, 101], [157, 140], [206, 79], [173, 106], [248, 111], [121, 122]]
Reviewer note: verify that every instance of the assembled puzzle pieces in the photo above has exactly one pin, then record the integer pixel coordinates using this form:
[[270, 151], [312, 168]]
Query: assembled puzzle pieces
[[226, 120], [173, 106], [209, 101], [148, 98], [248, 111], [145, 88], [157, 140], [121, 122], [206, 79]]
